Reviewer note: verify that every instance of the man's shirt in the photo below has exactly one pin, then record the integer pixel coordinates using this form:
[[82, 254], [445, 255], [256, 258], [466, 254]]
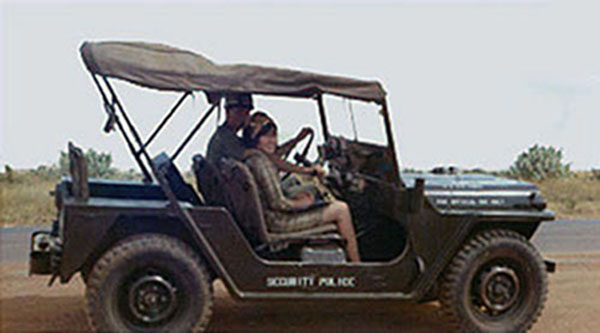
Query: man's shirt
[[225, 143]]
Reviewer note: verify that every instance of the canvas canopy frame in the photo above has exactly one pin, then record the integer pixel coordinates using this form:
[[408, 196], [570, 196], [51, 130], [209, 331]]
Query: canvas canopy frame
[[138, 147], [115, 110]]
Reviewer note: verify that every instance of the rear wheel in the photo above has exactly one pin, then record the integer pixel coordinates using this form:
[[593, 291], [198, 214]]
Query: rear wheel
[[496, 283], [149, 282]]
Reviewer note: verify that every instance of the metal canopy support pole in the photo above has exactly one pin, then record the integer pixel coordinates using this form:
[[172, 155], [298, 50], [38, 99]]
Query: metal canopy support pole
[[165, 119], [147, 176], [132, 129], [194, 130], [319, 98], [390, 136]]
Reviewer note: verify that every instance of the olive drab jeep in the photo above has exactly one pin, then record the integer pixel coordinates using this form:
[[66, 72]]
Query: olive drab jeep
[[150, 250]]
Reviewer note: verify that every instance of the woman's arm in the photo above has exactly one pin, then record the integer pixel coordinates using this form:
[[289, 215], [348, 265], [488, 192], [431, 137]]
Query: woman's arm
[[283, 165], [267, 180], [287, 147]]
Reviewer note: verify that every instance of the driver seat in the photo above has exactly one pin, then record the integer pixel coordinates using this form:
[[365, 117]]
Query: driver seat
[[246, 208]]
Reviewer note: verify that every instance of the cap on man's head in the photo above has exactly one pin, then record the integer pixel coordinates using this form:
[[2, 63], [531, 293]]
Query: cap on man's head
[[238, 100]]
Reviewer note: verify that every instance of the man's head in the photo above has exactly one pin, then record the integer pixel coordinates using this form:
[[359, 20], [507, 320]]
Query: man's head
[[238, 107]]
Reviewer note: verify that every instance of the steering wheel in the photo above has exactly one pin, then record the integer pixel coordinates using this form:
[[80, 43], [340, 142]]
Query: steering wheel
[[300, 158]]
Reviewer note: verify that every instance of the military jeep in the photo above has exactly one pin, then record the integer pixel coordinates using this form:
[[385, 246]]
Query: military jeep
[[150, 250]]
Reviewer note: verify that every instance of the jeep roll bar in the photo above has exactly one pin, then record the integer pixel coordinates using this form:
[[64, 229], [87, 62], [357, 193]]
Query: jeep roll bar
[[141, 150]]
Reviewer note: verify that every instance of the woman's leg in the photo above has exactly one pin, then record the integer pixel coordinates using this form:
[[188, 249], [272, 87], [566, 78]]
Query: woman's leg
[[339, 213]]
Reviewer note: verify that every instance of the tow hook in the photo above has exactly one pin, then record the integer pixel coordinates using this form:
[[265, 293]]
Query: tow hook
[[550, 266]]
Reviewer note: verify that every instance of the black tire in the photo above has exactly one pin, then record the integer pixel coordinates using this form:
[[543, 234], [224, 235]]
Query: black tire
[[149, 282], [496, 283]]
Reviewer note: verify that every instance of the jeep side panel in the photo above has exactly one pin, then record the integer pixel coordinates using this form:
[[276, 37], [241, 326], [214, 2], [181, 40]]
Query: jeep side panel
[[406, 277], [85, 226], [433, 240]]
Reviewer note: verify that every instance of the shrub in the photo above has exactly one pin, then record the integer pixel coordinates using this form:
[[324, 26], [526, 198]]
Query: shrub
[[8, 174], [47, 172], [99, 164], [411, 170], [539, 163]]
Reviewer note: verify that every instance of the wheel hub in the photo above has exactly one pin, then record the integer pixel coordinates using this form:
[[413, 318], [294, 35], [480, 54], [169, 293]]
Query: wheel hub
[[152, 298], [499, 288]]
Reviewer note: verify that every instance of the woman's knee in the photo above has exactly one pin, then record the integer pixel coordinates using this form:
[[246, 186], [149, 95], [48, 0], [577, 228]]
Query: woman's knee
[[337, 210], [343, 208]]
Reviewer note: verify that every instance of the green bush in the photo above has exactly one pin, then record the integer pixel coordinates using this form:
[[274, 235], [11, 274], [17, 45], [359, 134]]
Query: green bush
[[540, 162], [99, 164], [8, 174]]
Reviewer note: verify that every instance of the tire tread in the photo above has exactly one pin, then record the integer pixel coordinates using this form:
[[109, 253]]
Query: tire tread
[[453, 277]]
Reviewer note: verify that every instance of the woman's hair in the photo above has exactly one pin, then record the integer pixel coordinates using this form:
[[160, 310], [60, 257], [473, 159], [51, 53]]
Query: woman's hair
[[260, 124]]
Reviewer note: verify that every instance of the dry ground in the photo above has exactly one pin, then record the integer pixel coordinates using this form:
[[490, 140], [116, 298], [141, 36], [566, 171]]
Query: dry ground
[[28, 305]]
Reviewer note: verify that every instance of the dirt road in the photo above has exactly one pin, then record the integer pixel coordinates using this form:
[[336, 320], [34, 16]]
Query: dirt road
[[28, 305]]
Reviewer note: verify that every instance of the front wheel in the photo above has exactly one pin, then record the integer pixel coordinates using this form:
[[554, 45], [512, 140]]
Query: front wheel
[[496, 283], [149, 283]]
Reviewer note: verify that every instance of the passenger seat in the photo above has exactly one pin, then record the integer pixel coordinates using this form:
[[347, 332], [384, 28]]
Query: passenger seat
[[247, 209]]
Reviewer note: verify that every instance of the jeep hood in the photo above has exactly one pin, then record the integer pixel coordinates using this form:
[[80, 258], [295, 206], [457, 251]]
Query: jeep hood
[[470, 191]]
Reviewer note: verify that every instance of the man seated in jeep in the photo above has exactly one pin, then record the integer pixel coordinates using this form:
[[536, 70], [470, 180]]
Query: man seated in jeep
[[225, 143]]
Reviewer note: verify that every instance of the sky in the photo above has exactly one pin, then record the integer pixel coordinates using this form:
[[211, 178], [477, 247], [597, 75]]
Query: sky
[[469, 83]]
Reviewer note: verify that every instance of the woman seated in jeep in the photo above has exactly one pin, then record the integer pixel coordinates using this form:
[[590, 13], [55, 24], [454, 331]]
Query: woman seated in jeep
[[284, 214], [299, 181]]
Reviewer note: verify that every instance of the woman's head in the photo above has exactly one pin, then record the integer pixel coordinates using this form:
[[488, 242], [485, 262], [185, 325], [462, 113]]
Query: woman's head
[[261, 132]]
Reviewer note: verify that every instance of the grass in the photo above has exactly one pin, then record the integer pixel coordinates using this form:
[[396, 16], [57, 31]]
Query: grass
[[25, 196], [573, 197], [25, 199]]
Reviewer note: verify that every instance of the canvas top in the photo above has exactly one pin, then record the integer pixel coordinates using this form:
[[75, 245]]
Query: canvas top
[[163, 67]]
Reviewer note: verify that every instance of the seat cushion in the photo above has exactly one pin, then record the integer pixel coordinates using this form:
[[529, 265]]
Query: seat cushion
[[209, 182], [318, 230]]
